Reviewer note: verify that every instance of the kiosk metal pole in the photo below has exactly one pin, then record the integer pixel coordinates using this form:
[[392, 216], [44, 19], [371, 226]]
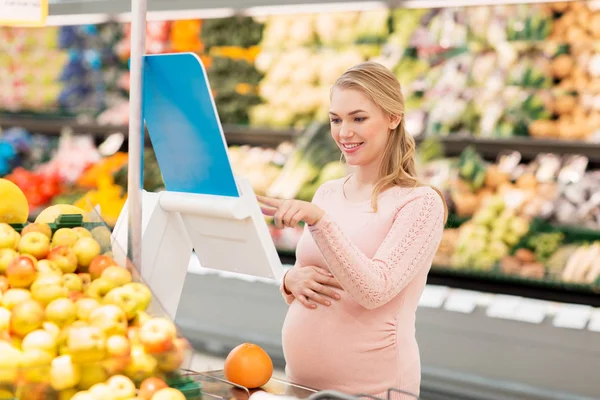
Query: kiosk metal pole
[[136, 133]]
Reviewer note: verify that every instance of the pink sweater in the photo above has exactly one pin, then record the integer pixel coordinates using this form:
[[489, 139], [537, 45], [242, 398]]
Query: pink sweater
[[364, 343]]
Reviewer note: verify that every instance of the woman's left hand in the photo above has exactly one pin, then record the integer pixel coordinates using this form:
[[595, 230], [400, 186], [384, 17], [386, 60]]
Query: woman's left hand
[[290, 212]]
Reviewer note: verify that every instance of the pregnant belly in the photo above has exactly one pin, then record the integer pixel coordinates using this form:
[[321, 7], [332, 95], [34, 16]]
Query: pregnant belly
[[340, 347]]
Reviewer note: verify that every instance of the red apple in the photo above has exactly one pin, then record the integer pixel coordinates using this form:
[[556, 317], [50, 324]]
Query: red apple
[[21, 272], [62, 312], [99, 264], [35, 243], [26, 317], [149, 386], [38, 227], [9, 238], [6, 256], [64, 257], [157, 335], [86, 248], [64, 237]]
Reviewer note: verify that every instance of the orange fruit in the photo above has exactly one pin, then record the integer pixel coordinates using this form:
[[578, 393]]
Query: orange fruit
[[248, 365]]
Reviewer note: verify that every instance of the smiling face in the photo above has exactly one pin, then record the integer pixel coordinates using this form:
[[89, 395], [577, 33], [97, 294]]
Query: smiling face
[[358, 126]]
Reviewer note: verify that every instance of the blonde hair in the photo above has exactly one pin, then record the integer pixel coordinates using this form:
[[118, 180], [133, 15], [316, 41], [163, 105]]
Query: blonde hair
[[397, 166]]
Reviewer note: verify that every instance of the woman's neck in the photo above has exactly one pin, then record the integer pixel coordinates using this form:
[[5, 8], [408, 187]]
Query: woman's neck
[[366, 176]]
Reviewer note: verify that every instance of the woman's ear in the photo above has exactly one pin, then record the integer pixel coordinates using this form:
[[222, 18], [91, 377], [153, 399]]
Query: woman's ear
[[394, 121]]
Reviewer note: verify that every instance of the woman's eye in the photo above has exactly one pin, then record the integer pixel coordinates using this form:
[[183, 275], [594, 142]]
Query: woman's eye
[[335, 120], [359, 119]]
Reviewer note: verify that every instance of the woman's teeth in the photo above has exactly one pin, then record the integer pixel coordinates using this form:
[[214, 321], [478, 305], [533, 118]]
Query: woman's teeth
[[351, 145]]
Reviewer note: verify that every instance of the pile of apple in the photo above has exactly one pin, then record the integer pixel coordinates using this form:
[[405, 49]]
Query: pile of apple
[[75, 321]]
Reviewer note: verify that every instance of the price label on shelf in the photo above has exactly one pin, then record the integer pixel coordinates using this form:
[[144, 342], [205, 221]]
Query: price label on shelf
[[462, 301], [572, 316], [502, 306], [23, 12], [433, 296], [594, 324], [532, 311]]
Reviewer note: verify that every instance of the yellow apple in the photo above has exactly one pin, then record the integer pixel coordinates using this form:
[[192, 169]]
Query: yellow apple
[[141, 293], [12, 297], [6, 256], [119, 276], [64, 237], [123, 298], [82, 232], [91, 374], [85, 306], [64, 374], [141, 365], [4, 319], [62, 312], [10, 359], [9, 238], [64, 257], [121, 387], [35, 365], [46, 266], [84, 395], [26, 317], [39, 339], [72, 282], [168, 394], [85, 344], [47, 288], [38, 227], [86, 248], [157, 335], [110, 319], [98, 288], [34, 243]]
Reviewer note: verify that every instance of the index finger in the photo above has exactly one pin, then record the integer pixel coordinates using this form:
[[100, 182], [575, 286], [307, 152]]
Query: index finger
[[330, 281], [269, 201]]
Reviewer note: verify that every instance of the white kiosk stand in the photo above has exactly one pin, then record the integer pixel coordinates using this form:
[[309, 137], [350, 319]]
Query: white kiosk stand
[[205, 210]]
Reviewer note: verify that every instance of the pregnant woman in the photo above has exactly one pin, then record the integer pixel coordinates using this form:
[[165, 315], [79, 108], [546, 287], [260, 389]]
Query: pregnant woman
[[363, 259]]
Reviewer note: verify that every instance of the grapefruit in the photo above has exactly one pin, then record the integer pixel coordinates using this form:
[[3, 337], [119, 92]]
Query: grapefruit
[[50, 214], [14, 208], [248, 365]]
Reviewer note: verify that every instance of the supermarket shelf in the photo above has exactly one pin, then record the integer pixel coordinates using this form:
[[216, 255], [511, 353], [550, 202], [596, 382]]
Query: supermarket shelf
[[503, 284], [527, 146], [238, 135], [235, 135]]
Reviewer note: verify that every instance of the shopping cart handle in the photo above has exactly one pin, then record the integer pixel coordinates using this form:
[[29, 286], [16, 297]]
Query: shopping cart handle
[[330, 394]]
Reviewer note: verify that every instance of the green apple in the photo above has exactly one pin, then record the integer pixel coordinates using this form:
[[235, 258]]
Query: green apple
[[85, 306], [34, 243], [64, 374], [26, 317], [123, 298], [98, 288], [72, 282], [121, 387], [6, 256], [118, 275], [141, 293], [92, 374], [39, 339], [110, 319], [62, 312], [64, 237], [64, 257], [103, 236], [86, 248], [47, 288], [38, 227], [4, 319], [9, 238], [12, 297]]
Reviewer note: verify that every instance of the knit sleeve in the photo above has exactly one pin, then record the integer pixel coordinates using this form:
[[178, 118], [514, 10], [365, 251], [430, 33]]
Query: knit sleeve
[[372, 282]]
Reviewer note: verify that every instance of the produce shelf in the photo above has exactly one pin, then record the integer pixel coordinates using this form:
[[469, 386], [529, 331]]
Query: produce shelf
[[490, 282], [239, 135], [236, 135]]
